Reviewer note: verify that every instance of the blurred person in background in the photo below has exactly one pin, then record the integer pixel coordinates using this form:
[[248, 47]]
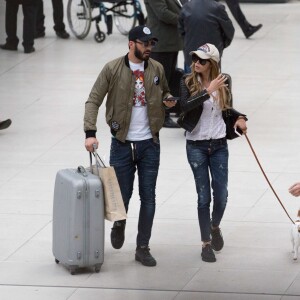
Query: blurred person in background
[[29, 8], [204, 21], [162, 18], [58, 17], [237, 13]]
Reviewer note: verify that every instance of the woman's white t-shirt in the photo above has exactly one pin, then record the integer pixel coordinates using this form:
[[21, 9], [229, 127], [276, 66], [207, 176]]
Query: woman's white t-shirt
[[211, 124]]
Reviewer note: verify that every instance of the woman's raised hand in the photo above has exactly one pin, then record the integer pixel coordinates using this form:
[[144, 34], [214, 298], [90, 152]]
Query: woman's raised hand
[[216, 83]]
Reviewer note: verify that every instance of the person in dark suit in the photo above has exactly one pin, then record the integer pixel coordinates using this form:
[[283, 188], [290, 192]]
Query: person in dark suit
[[58, 17], [210, 24], [29, 8], [237, 13], [162, 18]]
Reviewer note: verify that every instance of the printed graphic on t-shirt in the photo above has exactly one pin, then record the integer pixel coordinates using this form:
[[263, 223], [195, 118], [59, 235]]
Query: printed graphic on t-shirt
[[139, 94]]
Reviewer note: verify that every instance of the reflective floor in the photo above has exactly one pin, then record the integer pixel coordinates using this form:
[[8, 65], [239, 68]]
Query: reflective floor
[[44, 95]]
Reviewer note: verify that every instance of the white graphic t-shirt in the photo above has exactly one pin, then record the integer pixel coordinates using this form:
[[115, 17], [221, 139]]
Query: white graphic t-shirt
[[139, 124]]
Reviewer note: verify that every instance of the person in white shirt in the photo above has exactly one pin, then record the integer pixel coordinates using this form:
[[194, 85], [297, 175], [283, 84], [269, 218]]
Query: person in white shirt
[[137, 93], [204, 100]]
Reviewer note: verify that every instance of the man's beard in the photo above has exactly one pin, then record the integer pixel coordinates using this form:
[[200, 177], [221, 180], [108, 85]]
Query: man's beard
[[138, 54]]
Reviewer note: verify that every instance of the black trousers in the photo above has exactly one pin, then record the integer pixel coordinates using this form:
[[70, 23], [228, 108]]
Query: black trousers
[[237, 13], [11, 13], [169, 62], [58, 16]]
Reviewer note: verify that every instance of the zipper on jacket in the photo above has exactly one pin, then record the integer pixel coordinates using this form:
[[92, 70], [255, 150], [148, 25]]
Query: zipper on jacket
[[196, 98]]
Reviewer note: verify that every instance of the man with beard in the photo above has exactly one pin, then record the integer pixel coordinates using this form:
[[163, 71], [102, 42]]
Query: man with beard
[[137, 93]]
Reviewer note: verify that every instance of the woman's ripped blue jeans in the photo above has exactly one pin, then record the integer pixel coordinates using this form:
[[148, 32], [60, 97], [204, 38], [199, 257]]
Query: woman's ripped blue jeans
[[209, 160]]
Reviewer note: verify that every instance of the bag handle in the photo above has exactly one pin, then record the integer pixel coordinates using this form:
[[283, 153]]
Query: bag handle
[[99, 162]]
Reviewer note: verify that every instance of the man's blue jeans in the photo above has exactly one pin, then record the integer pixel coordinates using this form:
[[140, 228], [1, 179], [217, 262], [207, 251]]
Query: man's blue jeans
[[143, 156], [209, 158]]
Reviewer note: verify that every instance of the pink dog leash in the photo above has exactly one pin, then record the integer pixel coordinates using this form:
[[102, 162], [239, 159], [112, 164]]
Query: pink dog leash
[[267, 177]]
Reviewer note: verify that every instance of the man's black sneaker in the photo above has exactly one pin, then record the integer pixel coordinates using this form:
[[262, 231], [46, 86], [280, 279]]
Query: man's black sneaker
[[62, 34], [207, 254], [117, 235], [144, 256], [217, 241]]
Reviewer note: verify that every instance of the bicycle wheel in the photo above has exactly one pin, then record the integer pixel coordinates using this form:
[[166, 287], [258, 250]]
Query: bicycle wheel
[[79, 17], [125, 16]]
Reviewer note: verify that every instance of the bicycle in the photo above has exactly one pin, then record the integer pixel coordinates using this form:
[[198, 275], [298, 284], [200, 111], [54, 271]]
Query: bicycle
[[126, 14]]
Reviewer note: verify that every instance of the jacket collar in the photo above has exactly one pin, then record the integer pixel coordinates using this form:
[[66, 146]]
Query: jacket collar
[[127, 62]]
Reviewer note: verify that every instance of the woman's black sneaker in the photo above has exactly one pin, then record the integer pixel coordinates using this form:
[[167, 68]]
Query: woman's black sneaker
[[144, 256], [117, 235], [207, 254], [217, 241]]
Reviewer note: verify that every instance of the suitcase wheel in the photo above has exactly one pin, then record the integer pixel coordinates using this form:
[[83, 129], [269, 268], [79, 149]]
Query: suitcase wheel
[[73, 271], [57, 261], [97, 268]]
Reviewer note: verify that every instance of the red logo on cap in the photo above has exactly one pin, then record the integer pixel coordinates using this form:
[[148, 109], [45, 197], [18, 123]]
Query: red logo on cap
[[205, 48]]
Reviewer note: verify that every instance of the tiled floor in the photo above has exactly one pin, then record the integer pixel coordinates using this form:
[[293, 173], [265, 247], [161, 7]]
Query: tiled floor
[[44, 94]]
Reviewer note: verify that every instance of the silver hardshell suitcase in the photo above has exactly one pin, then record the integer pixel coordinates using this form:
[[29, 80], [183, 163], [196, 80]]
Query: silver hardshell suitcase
[[78, 220]]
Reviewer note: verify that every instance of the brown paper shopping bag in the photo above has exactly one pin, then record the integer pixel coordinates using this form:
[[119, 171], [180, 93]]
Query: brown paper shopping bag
[[114, 205]]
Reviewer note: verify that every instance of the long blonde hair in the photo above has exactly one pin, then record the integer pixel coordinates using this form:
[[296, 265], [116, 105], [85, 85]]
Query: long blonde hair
[[195, 86]]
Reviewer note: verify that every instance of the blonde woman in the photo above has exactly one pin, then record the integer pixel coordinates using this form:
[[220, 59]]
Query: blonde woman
[[205, 101]]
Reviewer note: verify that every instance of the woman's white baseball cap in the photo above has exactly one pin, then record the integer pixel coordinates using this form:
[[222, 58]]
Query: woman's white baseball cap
[[207, 51]]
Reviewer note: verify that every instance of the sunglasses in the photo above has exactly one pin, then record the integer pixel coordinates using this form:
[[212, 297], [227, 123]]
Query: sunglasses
[[202, 61], [151, 43]]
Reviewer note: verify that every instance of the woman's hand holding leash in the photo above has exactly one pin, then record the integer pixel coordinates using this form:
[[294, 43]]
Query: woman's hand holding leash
[[241, 124]]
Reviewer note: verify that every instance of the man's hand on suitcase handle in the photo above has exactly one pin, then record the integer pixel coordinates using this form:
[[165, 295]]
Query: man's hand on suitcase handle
[[90, 142]]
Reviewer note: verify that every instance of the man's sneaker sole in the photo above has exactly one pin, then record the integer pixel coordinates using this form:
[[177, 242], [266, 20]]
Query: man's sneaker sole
[[151, 264], [143, 255], [208, 259]]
